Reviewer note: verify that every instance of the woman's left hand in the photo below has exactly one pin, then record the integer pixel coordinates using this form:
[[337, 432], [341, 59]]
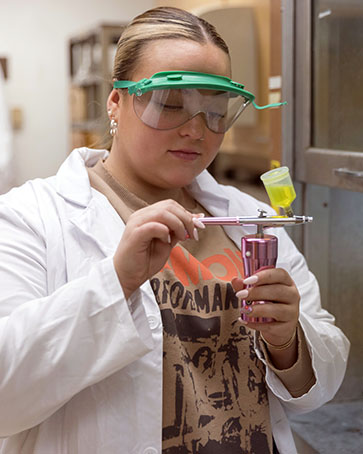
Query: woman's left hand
[[276, 287]]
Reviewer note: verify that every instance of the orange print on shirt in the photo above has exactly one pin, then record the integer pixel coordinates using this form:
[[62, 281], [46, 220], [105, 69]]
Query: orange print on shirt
[[188, 269]]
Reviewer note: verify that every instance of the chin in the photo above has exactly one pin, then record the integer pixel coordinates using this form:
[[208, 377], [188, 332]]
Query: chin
[[181, 180]]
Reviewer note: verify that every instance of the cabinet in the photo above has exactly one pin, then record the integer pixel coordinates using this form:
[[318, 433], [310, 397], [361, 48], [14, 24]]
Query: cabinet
[[91, 57]]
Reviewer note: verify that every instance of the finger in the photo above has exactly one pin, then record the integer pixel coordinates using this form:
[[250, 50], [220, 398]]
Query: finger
[[186, 217], [281, 293], [178, 226], [171, 219], [261, 326], [150, 231], [172, 214], [199, 224], [237, 284], [269, 276], [276, 311], [280, 331]]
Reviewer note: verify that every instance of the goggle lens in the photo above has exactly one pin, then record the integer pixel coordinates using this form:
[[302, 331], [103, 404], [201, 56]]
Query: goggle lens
[[169, 108]]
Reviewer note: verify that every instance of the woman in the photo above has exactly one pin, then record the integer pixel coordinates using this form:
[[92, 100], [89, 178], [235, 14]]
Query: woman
[[120, 324]]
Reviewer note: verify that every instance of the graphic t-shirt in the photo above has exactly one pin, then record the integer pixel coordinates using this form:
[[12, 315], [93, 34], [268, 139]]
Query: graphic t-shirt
[[214, 391]]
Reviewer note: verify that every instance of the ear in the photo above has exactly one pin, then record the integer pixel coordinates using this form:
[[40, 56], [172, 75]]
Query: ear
[[113, 103]]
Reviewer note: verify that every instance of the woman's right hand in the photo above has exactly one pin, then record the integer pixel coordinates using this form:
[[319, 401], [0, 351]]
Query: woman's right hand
[[149, 236]]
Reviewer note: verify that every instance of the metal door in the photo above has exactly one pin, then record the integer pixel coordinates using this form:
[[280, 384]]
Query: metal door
[[323, 144]]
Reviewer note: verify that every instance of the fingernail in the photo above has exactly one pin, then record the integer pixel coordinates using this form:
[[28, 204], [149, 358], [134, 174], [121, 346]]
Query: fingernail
[[242, 294], [198, 223], [246, 309], [200, 215], [242, 321], [195, 234], [250, 280], [169, 239]]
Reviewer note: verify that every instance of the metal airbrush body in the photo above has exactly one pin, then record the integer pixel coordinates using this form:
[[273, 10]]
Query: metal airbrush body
[[259, 250], [262, 220]]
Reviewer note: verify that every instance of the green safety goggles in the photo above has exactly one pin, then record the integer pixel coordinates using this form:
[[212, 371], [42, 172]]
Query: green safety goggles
[[171, 98]]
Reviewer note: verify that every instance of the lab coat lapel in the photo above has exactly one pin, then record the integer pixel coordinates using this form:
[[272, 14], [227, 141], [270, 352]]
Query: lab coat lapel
[[98, 227], [92, 227]]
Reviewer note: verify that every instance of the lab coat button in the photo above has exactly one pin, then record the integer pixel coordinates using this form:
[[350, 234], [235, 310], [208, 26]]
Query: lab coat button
[[150, 451], [153, 323]]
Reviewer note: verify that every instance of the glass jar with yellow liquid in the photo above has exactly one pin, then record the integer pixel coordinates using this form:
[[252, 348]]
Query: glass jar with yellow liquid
[[279, 188]]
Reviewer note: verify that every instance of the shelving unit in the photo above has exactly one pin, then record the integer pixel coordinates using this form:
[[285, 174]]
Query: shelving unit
[[91, 57]]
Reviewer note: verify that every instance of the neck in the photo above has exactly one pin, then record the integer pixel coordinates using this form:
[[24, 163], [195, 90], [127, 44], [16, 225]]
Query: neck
[[147, 191]]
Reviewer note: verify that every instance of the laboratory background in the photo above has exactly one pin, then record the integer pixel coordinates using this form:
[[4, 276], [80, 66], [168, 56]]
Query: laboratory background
[[55, 76]]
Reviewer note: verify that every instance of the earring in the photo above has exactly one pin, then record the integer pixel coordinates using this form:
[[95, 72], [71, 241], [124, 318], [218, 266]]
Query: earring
[[113, 127]]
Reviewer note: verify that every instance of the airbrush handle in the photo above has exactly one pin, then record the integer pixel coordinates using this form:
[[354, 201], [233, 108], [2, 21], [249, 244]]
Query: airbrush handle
[[257, 254]]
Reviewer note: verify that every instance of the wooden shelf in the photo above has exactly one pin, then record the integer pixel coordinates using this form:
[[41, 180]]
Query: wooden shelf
[[88, 125], [91, 55]]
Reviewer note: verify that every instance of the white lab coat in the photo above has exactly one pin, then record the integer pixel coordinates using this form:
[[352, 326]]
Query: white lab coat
[[81, 366], [5, 140]]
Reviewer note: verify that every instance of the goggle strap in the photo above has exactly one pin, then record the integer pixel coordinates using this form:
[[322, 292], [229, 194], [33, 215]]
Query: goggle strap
[[123, 84], [267, 106]]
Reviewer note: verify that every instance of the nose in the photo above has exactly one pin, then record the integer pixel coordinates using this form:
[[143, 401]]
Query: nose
[[195, 127]]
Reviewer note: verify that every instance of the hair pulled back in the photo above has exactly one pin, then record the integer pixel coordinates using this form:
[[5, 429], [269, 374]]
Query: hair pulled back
[[160, 23]]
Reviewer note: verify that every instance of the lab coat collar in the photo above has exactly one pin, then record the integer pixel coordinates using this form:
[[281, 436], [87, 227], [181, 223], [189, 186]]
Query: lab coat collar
[[72, 181], [207, 192]]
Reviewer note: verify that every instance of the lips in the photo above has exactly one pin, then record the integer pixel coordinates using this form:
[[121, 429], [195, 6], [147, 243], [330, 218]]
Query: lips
[[186, 155]]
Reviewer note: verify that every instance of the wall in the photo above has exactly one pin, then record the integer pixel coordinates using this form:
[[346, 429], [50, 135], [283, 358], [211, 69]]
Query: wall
[[33, 35], [333, 249]]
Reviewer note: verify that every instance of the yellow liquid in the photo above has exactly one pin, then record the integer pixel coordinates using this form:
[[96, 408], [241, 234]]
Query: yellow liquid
[[281, 196]]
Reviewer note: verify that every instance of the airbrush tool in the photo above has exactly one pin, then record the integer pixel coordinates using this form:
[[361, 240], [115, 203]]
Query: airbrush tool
[[259, 250]]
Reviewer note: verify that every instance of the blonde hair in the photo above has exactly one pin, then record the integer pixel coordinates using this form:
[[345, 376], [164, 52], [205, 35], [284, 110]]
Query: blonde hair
[[160, 23], [157, 23]]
